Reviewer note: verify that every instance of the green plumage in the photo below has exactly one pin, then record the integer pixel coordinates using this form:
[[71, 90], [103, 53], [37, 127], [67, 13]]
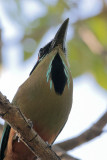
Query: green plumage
[[46, 96]]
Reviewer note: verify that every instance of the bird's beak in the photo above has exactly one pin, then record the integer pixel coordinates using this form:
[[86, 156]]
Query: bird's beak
[[60, 36]]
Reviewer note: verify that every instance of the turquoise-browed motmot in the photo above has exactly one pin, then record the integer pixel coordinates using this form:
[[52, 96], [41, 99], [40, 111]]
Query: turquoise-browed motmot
[[45, 98]]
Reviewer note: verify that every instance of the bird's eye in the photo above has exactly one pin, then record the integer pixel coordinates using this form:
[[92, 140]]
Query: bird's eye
[[40, 49], [41, 53], [44, 51]]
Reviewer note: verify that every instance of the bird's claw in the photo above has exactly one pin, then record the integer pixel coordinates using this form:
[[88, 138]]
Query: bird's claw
[[48, 145], [30, 123]]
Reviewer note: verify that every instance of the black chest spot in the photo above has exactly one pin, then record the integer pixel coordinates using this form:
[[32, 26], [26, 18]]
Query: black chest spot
[[58, 74]]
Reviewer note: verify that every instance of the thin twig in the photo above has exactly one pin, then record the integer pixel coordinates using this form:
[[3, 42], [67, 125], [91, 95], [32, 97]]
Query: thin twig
[[86, 136]]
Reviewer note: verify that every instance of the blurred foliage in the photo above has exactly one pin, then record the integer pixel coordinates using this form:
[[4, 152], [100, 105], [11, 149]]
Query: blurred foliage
[[0, 48], [87, 48]]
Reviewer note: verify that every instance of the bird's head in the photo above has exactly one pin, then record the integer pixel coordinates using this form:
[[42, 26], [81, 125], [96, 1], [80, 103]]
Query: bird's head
[[54, 53]]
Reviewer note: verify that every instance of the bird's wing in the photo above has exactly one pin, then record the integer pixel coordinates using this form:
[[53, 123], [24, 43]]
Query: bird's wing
[[4, 140]]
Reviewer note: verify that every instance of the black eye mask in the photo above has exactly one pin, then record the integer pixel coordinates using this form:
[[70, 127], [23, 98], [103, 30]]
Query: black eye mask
[[42, 53]]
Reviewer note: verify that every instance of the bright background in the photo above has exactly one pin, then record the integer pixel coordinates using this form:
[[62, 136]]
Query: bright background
[[28, 25]]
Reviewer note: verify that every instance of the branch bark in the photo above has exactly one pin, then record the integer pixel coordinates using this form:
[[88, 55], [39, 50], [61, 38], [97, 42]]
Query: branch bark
[[18, 122], [62, 154], [23, 127]]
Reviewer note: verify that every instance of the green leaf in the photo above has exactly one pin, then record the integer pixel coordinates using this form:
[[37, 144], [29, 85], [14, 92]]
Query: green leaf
[[27, 55]]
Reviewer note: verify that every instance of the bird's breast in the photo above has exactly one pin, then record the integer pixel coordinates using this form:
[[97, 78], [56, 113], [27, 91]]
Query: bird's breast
[[47, 109]]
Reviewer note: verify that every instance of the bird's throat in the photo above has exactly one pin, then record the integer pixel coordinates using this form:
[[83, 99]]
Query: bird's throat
[[58, 75]]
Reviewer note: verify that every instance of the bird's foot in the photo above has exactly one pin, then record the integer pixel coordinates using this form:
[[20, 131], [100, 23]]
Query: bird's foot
[[16, 137], [48, 145], [30, 123]]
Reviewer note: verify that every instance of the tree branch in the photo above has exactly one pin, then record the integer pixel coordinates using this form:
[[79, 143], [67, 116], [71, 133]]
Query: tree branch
[[23, 127], [86, 136], [19, 123], [91, 40], [62, 154]]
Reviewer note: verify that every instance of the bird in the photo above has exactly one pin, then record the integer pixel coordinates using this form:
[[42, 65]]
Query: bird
[[45, 98]]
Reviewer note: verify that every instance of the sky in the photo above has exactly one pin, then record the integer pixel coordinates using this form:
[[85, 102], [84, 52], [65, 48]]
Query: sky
[[89, 99]]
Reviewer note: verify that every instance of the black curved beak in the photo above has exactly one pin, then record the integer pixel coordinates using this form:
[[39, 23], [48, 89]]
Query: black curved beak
[[60, 36]]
